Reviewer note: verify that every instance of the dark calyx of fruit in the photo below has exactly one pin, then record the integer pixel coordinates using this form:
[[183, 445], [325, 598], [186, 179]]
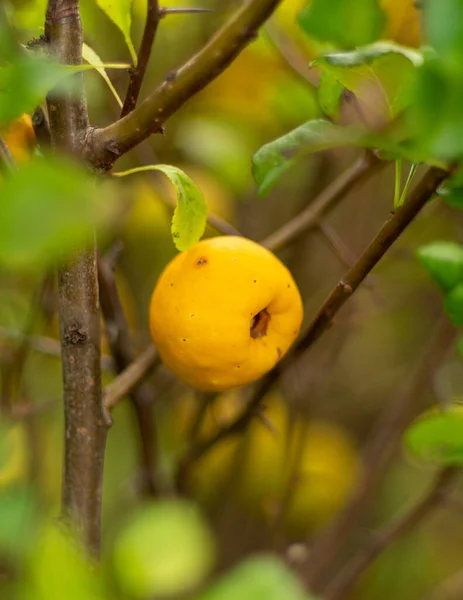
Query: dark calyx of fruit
[[260, 323]]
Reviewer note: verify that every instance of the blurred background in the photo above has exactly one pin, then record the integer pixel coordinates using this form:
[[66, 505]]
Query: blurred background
[[390, 355]]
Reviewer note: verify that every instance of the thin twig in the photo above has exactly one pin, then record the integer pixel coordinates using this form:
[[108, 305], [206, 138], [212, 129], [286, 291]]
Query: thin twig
[[46, 345], [105, 146], [141, 396], [130, 377], [342, 584], [343, 290], [361, 170], [137, 73], [379, 452], [291, 55], [165, 12]]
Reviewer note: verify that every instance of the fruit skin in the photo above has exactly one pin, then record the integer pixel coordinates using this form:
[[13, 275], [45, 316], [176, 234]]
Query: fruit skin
[[203, 306]]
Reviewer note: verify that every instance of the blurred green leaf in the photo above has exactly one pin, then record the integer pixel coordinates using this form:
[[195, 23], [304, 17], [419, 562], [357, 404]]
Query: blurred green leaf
[[437, 437], [344, 23], [47, 208], [385, 67], [259, 578], [25, 82], [190, 216], [329, 95], [443, 22], [276, 157], [120, 13], [451, 191], [166, 549], [18, 512], [444, 262], [453, 304], [59, 569]]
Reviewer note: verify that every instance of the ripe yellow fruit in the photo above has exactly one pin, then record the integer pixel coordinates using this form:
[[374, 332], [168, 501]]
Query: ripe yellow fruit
[[224, 312]]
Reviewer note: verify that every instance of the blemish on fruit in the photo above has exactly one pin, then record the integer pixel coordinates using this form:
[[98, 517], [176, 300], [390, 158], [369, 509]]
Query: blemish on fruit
[[184, 340], [279, 353], [192, 315], [171, 285], [201, 261], [289, 285], [259, 324], [255, 280]]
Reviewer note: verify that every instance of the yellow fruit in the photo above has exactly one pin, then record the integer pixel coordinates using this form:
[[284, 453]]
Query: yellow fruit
[[264, 458], [326, 471], [403, 22], [224, 312], [20, 138], [13, 455]]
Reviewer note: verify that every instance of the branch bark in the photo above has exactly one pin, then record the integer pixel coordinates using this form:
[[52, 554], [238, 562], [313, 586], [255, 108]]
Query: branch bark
[[346, 579], [85, 429], [343, 290], [108, 144]]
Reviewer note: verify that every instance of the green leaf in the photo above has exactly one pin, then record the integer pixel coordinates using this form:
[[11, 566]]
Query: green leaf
[[25, 82], [343, 23], [444, 262], [258, 578], [190, 215], [453, 304], [18, 513], [329, 95], [47, 208], [165, 550], [443, 23], [120, 13], [94, 60], [384, 70], [437, 437], [58, 569], [276, 157]]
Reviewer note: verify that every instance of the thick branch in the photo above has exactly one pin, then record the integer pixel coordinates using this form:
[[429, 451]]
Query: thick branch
[[108, 144], [343, 290], [346, 579], [137, 74], [85, 429]]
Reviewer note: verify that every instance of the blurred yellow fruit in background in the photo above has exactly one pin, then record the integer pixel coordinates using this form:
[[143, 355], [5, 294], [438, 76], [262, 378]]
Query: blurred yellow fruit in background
[[327, 466], [20, 138], [263, 457], [13, 454]]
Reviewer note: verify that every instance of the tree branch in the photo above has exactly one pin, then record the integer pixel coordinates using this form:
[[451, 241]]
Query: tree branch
[[108, 144], [361, 170], [85, 429], [130, 373], [343, 290], [130, 378], [342, 584], [153, 16]]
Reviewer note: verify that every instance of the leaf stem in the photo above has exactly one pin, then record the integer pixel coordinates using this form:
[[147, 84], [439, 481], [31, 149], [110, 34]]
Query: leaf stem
[[398, 177], [410, 177]]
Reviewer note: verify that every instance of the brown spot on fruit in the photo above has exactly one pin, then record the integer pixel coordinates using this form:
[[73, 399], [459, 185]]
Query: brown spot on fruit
[[201, 261], [259, 324]]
